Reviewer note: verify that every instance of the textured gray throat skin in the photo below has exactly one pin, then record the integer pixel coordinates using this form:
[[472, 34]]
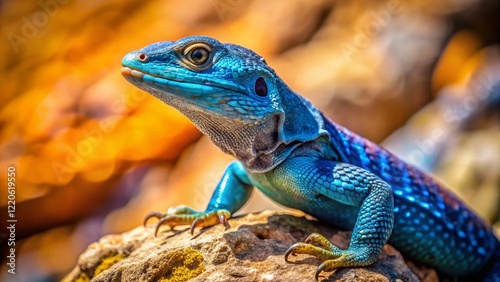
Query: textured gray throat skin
[[286, 148]]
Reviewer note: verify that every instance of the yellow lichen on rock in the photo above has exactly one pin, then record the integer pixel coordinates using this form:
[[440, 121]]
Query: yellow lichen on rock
[[83, 277], [184, 265], [108, 262]]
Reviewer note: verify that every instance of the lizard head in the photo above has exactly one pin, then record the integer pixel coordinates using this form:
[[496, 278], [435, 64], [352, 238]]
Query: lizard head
[[230, 93]]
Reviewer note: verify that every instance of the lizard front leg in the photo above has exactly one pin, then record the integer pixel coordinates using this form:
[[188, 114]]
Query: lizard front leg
[[231, 193], [345, 185]]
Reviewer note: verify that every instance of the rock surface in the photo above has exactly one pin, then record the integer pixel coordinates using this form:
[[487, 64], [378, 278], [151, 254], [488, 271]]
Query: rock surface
[[251, 250]]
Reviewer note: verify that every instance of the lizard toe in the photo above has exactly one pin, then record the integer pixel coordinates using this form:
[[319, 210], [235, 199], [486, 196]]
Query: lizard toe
[[308, 249], [320, 240], [187, 216], [150, 215], [328, 265], [291, 251]]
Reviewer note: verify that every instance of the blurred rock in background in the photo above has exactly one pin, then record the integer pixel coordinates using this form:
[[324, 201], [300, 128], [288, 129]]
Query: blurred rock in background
[[93, 154]]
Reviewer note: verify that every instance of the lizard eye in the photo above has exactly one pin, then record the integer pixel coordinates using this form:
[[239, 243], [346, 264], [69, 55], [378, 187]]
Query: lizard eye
[[198, 55], [261, 87]]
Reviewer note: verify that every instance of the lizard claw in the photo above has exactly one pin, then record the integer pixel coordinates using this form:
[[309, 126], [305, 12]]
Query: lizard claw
[[319, 270], [291, 251], [202, 221], [307, 248], [211, 218], [172, 219], [334, 257], [329, 265], [223, 219], [186, 216], [152, 214]]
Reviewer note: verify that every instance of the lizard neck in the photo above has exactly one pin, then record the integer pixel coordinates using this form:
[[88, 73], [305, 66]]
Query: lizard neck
[[260, 145], [257, 145]]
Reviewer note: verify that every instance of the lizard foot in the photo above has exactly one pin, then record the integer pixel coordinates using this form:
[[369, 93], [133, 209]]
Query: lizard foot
[[183, 215], [333, 256]]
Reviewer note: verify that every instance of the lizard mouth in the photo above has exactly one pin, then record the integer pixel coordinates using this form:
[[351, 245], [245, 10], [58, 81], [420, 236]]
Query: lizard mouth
[[177, 83], [126, 71]]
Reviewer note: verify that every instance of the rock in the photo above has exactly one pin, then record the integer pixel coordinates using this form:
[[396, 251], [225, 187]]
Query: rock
[[251, 250]]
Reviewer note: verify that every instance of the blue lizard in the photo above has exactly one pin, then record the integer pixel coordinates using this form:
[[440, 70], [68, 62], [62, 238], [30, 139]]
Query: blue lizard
[[301, 159]]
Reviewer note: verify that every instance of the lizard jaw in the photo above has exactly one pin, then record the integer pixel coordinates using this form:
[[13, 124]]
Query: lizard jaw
[[126, 71], [177, 84]]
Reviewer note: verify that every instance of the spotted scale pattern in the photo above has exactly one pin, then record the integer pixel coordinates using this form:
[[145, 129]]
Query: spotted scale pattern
[[430, 223]]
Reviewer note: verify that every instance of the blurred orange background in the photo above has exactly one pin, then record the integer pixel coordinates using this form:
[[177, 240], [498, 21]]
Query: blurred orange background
[[93, 154]]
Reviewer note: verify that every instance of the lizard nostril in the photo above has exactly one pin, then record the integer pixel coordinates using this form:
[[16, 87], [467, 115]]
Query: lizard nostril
[[143, 57], [261, 87]]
